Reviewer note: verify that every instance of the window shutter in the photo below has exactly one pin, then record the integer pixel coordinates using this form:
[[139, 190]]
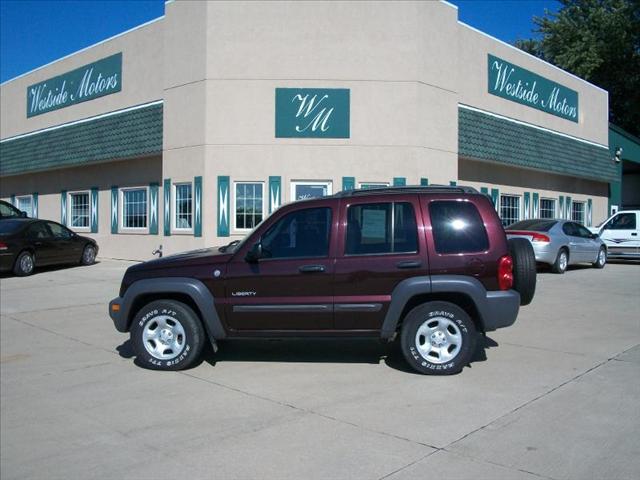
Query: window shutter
[[536, 205], [561, 209], [567, 206], [589, 212], [495, 195], [275, 193], [63, 207], [153, 208], [223, 206], [197, 221], [94, 210], [13, 200], [167, 206], [348, 183], [114, 209], [399, 181], [424, 181], [35, 204], [484, 190], [453, 183], [527, 202]]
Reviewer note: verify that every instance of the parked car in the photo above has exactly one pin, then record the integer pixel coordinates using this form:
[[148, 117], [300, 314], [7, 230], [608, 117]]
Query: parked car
[[621, 234], [431, 264], [9, 211], [560, 243], [27, 243]]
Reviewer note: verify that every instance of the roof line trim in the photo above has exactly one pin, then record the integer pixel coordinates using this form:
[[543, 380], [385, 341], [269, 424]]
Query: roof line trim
[[83, 120], [531, 125], [83, 49], [532, 56]]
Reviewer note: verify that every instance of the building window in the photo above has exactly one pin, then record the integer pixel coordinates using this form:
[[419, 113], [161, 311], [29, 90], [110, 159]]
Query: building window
[[248, 204], [302, 190], [368, 185], [25, 204], [134, 208], [547, 208], [509, 209], [183, 197], [577, 212], [79, 210]]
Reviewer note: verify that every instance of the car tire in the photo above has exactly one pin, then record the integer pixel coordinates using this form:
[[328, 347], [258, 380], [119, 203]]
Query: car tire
[[562, 261], [167, 335], [25, 264], [524, 269], [88, 255], [438, 338], [601, 261]]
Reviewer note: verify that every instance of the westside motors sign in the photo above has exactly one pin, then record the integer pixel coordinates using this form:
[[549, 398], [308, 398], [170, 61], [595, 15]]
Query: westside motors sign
[[94, 80], [522, 86]]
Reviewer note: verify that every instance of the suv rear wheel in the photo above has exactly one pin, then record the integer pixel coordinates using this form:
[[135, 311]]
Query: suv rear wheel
[[167, 335], [438, 338]]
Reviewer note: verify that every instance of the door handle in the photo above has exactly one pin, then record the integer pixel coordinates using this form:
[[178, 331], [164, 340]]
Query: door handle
[[409, 264], [634, 234], [311, 268], [38, 244]]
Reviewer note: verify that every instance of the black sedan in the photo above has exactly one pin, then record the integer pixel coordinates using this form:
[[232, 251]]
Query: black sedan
[[26, 243]]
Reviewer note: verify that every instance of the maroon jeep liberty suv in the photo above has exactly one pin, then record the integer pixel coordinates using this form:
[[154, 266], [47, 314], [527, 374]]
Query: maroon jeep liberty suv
[[431, 264]]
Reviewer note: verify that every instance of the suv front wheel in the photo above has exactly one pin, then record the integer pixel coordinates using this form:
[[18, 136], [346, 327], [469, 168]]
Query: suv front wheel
[[438, 338], [167, 335]]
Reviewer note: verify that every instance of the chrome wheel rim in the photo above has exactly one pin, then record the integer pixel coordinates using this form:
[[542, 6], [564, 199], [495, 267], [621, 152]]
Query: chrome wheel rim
[[26, 263], [438, 340], [563, 261], [89, 255], [602, 257], [163, 337]]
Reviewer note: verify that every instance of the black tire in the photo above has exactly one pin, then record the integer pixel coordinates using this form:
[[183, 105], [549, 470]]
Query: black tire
[[25, 264], [524, 269], [166, 314], [442, 316], [87, 258], [601, 260], [560, 265]]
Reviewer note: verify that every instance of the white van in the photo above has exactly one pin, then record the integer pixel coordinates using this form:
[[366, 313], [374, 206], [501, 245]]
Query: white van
[[621, 234]]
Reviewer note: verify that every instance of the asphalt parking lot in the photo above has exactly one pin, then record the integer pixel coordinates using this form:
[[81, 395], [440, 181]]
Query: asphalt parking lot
[[555, 396]]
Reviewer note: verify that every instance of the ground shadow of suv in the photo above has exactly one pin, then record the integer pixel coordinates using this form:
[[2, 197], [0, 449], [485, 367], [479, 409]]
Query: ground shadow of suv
[[430, 264]]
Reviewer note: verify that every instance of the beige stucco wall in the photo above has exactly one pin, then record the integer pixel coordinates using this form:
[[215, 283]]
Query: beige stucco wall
[[142, 62], [472, 81]]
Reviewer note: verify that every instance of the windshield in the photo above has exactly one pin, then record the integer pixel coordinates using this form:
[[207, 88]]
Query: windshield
[[9, 227], [535, 225]]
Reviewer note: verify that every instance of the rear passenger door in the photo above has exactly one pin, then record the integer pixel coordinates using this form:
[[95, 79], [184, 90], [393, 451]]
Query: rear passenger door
[[380, 243], [41, 240]]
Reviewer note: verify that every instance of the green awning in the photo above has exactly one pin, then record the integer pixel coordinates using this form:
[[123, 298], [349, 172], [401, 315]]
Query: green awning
[[489, 138], [129, 134]]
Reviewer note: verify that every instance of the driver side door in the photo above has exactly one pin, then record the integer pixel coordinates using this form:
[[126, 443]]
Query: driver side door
[[290, 288]]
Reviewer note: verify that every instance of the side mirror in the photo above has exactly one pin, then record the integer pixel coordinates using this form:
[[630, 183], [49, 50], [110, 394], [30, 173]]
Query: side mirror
[[255, 253], [23, 214], [594, 235]]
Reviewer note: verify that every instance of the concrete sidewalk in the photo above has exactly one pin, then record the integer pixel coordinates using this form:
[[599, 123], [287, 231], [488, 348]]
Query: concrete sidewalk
[[555, 396]]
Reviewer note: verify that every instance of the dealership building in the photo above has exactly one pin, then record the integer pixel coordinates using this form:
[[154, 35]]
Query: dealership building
[[188, 130]]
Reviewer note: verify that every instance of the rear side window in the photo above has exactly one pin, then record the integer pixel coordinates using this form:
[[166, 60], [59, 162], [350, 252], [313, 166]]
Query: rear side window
[[457, 227], [377, 228]]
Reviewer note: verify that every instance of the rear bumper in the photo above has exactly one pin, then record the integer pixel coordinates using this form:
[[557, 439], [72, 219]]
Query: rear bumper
[[500, 310]]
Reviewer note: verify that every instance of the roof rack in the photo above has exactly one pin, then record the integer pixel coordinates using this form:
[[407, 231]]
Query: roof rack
[[407, 189]]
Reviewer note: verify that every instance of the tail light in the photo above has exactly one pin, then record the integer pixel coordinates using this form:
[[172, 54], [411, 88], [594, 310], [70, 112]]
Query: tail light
[[535, 237], [3, 246], [505, 273]]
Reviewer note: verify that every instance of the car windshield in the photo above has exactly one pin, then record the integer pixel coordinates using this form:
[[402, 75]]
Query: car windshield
[[535, 225], [9, 227]]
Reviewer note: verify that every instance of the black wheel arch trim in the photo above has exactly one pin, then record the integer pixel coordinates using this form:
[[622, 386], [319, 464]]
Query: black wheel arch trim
[[193, 288], [496, 309]]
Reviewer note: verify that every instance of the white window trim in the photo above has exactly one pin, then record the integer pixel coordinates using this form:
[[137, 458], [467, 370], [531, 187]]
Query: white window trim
[[324, 183], [235, 229], [520, 204], [555, 206], [174, 209], [68, 225], [121, 227], [17, 202], [377, 184]]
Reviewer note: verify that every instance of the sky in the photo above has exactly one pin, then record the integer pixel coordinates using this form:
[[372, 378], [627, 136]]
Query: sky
[[36, 32]]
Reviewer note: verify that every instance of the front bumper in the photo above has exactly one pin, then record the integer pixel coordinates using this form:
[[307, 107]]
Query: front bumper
[[117, 314], [501, 309]]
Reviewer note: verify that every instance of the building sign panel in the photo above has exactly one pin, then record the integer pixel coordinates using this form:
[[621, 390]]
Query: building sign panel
[[519, 85], [94, 80], [312, 112]]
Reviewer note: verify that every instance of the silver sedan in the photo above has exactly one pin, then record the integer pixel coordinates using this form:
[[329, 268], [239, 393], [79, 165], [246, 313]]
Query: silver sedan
[[560, 243]]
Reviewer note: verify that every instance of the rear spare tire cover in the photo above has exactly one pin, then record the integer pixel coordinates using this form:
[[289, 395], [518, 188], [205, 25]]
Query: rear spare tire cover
[[524, 269]]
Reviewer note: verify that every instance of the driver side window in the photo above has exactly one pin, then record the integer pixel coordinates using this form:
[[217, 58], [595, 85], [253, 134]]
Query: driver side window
[[622, 221], [303, 233]]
